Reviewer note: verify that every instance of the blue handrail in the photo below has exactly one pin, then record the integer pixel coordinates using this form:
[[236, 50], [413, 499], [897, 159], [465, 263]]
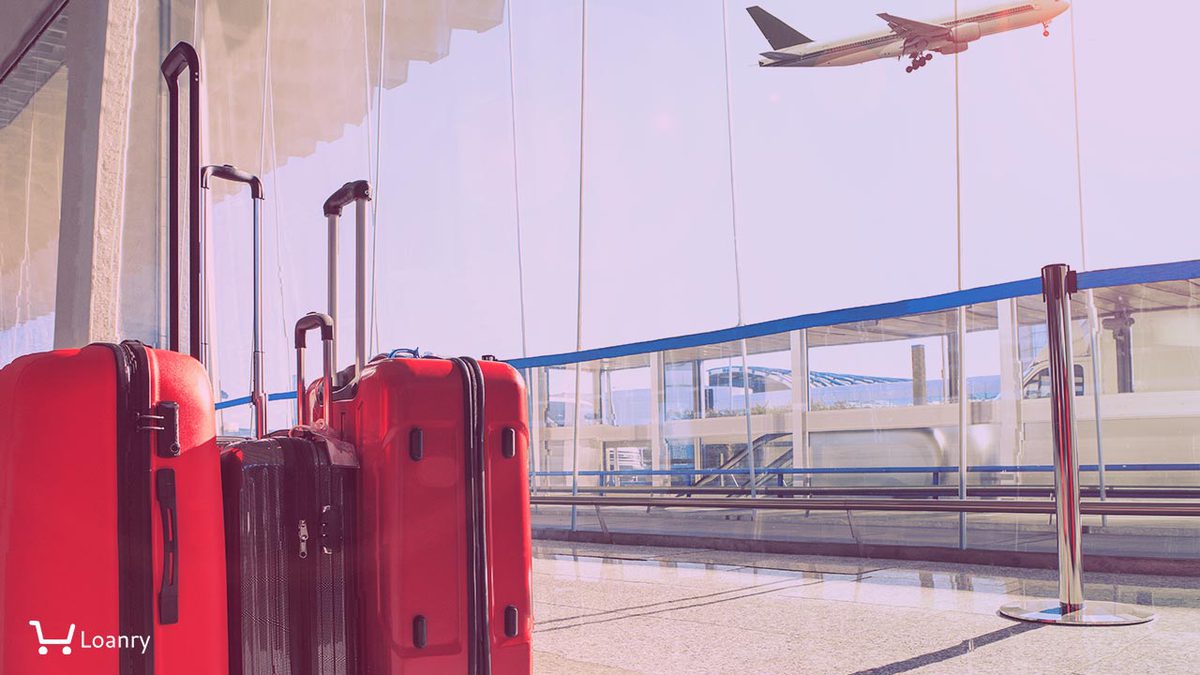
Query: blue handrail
[[245, 400]]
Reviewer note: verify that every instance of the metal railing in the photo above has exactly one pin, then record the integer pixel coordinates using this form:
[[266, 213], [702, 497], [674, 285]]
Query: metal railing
[[934, 470], [937, 492], [1026, 506]]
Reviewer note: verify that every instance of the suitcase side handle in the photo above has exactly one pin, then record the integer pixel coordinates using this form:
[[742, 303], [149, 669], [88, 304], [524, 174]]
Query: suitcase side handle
[[359, 192], [168, 594], [258, 399], [183, 57], [308, 322]]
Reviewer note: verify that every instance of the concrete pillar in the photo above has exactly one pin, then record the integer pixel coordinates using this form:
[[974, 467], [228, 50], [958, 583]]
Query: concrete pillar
[[658, 449], [600, 411], [800, 449], [535, 379], [101, 44], [954, 359], [698, 402], [918, 374], [143, 267], [1010, 383]]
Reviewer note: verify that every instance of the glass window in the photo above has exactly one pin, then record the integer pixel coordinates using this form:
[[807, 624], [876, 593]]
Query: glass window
[[657, 196], [1038, 384], [723, 455], [681, 387], [623, 457], [884, 363], [33, 102], [683, 458], [625, 396], [819, 225], [1139, 141]]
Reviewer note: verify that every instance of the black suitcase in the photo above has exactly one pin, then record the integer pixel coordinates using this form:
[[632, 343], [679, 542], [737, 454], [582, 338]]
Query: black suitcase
[[290, 504]]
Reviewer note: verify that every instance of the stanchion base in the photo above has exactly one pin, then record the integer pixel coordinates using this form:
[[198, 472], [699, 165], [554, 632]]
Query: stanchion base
[[1093, 613]]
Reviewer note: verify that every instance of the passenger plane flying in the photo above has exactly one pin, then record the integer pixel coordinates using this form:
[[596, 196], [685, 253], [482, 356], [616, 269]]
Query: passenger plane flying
[[906, 37]]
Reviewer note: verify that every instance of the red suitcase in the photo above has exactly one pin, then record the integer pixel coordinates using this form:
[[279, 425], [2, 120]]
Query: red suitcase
[[111, 544], [444, 524]]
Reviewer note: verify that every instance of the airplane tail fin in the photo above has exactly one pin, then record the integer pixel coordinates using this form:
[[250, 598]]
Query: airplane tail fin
[[778, 34]]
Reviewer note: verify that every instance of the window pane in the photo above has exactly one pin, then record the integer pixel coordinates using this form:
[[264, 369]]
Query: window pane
[[33, 102]]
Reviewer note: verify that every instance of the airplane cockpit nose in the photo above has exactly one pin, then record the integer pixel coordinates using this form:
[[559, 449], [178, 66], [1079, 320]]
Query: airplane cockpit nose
[[1054, 7]]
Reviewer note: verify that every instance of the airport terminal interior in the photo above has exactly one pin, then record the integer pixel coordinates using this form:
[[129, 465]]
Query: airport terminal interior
[[845, 337]]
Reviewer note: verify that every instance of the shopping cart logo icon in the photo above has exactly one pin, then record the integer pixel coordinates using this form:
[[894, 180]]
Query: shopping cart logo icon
[[45, 642]]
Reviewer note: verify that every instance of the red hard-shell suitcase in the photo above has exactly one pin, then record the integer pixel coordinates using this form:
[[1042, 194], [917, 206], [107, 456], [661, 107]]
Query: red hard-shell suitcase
[[111, 520], [444, 525], [111, 544], [444, 528]]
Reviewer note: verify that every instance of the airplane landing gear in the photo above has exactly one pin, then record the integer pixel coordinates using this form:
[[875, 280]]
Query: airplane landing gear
[[1046, 29], [918, 61]]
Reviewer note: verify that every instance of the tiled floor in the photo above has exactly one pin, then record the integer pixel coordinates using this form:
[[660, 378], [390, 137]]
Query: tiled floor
[[612, 609]]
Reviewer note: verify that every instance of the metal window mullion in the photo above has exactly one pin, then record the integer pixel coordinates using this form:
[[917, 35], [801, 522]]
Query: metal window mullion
[[964, 421]]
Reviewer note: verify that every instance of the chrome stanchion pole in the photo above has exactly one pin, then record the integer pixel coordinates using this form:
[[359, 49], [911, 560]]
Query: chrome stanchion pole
[[1058, 283]]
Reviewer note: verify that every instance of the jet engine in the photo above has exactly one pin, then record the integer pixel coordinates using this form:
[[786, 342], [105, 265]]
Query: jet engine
[[966, 32], [953, 48]]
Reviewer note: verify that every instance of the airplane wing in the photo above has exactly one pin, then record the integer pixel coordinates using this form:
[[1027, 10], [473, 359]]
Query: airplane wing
[[910, 28]]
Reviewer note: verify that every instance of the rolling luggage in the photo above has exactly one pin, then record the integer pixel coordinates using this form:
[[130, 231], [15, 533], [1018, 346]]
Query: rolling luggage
[[291, 502], [444, 524], [110, 510]]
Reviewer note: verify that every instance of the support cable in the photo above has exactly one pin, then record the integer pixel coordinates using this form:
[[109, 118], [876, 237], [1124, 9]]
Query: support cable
[[737, 267], [512, 93], [579, 258], [964, 401], [377, 188], [1093, 314]]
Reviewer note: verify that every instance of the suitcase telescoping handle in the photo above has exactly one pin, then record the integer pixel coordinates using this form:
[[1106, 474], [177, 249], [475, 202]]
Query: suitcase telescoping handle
[[258, 398], [359, 192], [306, 323], [183, 57]]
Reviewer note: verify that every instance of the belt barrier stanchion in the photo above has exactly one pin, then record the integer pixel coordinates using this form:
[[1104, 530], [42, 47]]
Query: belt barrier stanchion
[[1058, 283]]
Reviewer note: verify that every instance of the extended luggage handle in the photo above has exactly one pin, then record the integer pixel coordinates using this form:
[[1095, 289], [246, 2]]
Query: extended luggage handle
[[258, 399], [183, 57], [308, 322], [359, 192], [233, 174]]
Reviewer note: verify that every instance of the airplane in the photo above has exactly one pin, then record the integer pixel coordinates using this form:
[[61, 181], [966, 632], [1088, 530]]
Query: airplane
[[916, 40]]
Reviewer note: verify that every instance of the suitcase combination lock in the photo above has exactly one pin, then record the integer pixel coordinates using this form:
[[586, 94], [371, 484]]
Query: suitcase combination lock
[[303, 538], [331, 530]]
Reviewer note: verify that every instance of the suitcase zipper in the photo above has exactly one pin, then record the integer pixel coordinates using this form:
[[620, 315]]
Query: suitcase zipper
[[134, 535], [298, 463], [479, 638]]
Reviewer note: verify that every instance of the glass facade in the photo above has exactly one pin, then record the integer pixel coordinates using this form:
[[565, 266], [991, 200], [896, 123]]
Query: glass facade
[[873, 408], [552, 176]]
